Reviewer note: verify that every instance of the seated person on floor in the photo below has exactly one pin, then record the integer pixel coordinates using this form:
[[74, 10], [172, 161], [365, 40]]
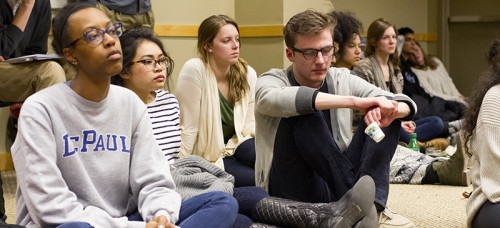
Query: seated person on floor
[[432, 75], [147, 69], [379, 67], [216, 93], [75, 129], [305, 147], [406, 165], [449, 111], [482, 139]]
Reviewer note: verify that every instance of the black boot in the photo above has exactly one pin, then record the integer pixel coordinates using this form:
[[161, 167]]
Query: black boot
[[353, 206]]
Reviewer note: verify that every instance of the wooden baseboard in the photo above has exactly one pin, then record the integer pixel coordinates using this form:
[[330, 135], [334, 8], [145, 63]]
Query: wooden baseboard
[[6, 163]]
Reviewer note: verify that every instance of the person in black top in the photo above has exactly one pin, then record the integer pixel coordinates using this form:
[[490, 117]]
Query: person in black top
[[449, 111]]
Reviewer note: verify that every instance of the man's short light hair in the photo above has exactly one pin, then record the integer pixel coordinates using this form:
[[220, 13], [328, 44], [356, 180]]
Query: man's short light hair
[[307, 23]]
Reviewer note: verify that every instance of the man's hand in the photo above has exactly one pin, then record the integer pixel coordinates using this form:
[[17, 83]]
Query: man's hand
[[377, 109]]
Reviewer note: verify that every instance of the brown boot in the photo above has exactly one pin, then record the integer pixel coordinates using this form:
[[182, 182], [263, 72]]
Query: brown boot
[[437, 143], [450, 172]]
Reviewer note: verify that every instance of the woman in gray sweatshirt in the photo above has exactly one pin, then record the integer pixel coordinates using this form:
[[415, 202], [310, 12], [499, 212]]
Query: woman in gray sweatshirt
[[84, 153]]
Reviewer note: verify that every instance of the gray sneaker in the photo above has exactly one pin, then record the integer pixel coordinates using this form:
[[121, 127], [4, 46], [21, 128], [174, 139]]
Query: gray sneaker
[[389, 219]]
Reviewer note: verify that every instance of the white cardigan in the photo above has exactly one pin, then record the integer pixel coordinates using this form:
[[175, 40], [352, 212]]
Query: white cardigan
[[201, 126]]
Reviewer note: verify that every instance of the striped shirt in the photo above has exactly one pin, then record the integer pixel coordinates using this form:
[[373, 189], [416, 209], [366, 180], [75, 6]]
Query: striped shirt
[[164, 115]]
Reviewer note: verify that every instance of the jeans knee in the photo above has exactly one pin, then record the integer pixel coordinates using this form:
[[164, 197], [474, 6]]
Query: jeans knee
[[75, 225], [222, 198]]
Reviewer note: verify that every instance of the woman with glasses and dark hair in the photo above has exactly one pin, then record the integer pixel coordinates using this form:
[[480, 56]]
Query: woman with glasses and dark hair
[[216, 95], [84, 155]]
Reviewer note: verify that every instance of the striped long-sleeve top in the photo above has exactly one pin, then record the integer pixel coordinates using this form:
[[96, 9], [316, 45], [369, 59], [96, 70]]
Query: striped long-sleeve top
[[165, 118]]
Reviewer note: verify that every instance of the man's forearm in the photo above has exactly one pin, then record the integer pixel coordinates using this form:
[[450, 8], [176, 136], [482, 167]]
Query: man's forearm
[[403, 110], [23, 15], [330, 101]]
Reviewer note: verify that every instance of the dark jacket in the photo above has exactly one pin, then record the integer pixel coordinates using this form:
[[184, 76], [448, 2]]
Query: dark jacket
[[34, 39]]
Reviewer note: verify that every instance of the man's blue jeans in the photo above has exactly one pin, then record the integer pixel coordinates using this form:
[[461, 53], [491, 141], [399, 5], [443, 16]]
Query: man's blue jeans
[[308, 165], [213, 209]]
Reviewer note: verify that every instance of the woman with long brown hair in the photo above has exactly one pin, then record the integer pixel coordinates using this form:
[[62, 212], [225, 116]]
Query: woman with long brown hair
[[216, 94]]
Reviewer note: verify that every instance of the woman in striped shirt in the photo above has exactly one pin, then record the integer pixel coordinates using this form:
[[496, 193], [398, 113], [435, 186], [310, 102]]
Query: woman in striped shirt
[[147, 80]]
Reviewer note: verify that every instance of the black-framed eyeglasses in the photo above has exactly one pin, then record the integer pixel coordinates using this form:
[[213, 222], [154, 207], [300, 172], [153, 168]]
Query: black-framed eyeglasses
[[311, 53], [150, 64], [95, 36]]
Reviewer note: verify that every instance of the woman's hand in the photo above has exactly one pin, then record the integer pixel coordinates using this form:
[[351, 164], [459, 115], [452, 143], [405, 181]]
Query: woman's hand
[[160, 222], [408, 126]]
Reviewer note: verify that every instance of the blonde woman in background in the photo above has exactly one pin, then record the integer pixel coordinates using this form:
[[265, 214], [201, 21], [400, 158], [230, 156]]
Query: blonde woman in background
[[216, 94]]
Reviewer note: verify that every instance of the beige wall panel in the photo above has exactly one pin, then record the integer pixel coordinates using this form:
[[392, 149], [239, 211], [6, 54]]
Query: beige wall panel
[[466, 7], [259, 12], [291, 7], [396, 11], [189, 12], [180, 49], [263, 53], [469, 41]]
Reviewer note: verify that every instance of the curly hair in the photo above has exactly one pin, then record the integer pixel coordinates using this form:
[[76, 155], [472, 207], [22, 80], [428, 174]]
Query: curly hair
[[489, 79], [347, 27]]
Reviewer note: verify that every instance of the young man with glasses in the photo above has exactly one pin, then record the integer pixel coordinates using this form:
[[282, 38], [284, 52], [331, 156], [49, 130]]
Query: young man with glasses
[[304, 144]]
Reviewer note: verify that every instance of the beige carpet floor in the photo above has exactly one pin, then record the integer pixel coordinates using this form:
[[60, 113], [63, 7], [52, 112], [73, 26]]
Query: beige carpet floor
[[431, 206]]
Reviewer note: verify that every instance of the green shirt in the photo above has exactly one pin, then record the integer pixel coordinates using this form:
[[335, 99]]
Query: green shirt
[[227, 117]]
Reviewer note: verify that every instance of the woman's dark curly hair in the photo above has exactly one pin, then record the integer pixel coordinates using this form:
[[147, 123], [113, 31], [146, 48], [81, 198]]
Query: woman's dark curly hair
[[347, 26], [130, 41], [489, 79]]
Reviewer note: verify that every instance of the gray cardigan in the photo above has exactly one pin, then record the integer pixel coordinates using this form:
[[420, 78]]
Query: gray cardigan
[[277, 97]]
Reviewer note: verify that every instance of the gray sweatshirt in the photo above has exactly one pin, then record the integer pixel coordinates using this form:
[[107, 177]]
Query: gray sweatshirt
[[78, 160]]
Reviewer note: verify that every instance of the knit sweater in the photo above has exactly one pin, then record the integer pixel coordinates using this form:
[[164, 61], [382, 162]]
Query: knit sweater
[[79, 160], [485, 144], [369, 69], [201, 124], [438, 82], [277, 97], [194, 175]]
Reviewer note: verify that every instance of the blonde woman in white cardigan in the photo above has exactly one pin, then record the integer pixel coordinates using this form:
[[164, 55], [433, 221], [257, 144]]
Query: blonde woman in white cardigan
[[216, 94]]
